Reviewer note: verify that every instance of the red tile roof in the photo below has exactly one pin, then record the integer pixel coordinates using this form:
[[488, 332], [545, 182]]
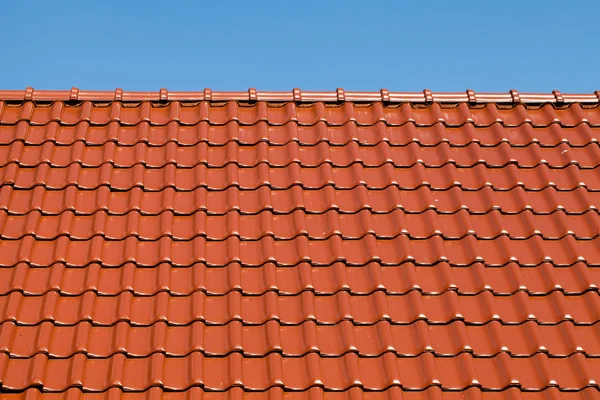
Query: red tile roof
[[284, 245]]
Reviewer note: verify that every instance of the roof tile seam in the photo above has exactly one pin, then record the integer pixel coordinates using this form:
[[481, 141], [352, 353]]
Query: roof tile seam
[[268, 142], [308, 212], [308, 124], [279, 293], [278, 238], [313, 263], [245, 323], [290, 211], [282, 293], [276, 351], [289, 164], [316, 384], [312, 321], [273, 187]]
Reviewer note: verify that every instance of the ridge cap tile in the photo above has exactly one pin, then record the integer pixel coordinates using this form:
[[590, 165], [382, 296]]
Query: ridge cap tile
[[297, 95]]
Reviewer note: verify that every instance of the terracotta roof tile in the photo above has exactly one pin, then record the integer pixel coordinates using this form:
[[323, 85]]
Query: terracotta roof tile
[[289, 245]]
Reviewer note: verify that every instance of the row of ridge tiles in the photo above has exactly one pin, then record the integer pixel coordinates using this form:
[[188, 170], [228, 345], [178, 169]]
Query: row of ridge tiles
[[538, 372], [297, 95], [315, 114], [316, 393]]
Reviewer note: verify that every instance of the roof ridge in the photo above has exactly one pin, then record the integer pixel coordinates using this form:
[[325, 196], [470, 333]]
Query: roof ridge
[[296, 95]]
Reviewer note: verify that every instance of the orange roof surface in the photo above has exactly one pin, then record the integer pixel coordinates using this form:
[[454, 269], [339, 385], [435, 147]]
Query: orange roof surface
[[295, 245]]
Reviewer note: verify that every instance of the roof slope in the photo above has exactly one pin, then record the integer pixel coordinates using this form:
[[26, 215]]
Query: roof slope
[[333, 248]]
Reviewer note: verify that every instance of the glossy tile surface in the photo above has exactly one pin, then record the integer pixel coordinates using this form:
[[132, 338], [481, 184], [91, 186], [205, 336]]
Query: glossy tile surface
[[255, 250]]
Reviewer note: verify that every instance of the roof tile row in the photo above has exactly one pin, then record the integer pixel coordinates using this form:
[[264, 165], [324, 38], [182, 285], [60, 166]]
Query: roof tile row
[[301, 96], [525, 135], [534, 155], [397, 279], [297, 223], [482, 308], [344, 201], [277, 114], [280, 178], [575, 372], [315, 393], [463, 252], [525, 340]]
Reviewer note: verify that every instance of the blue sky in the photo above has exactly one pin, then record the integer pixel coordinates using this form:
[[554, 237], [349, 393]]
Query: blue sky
[[314, 45]]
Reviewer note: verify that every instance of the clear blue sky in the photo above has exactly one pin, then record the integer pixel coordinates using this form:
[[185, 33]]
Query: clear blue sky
[[314, 45]]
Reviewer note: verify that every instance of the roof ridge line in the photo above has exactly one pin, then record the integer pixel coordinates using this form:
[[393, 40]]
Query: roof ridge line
[[296, 95]]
